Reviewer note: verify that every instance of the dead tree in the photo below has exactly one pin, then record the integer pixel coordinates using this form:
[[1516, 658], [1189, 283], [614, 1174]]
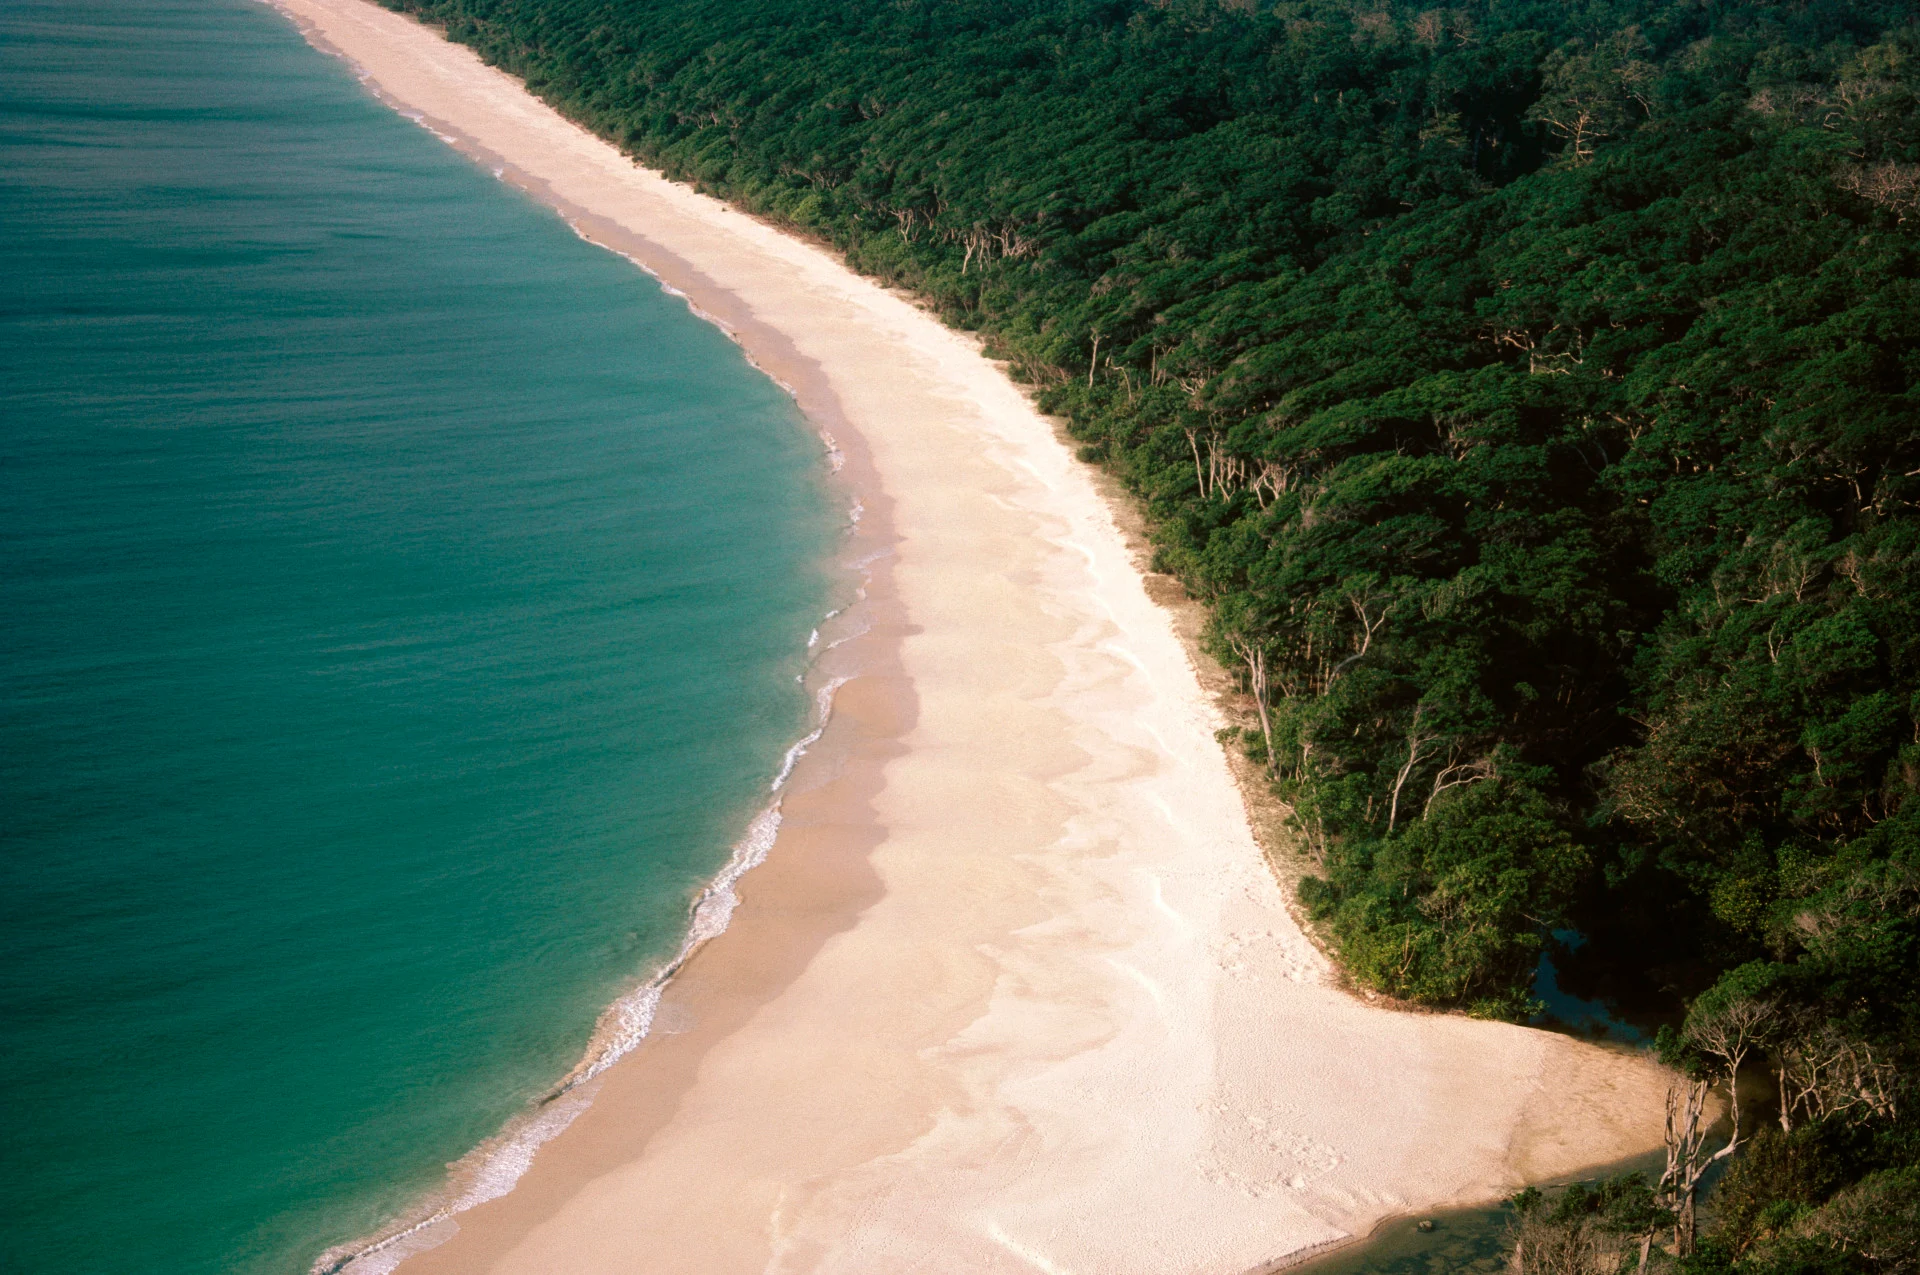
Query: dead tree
[[1730, 1033], [1271, 483], [1253, 653], [1415, 742], [1687, 1158], [1370, 624], [1199, 474], [1455, 774], [1823, 1073]]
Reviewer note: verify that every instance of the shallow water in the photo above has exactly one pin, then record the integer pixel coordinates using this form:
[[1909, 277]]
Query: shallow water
[[1451, 1241], [1457, 1242], [404, 601]]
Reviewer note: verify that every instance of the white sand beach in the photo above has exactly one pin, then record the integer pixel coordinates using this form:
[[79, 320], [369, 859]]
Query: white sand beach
[[1016, 989]]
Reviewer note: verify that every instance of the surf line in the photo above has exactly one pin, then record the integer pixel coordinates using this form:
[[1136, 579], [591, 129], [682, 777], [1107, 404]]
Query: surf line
[[492, 1169]]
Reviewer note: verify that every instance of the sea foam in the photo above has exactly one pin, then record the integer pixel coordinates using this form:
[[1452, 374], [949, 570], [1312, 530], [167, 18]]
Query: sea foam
[[492, 1169]]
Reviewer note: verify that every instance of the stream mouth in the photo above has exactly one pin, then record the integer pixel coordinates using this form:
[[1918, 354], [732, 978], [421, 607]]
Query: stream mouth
[[1450, 1241], [1458, 1242], [1597, 1019]]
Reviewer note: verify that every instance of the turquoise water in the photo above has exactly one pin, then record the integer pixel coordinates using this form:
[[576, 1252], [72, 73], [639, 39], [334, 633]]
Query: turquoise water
[[403, 602]]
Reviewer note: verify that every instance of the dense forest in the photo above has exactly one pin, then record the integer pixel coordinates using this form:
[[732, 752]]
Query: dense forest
[[1529, 387]]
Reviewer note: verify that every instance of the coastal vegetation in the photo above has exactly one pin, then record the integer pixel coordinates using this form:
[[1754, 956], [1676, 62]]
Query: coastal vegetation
[[1529, 389]]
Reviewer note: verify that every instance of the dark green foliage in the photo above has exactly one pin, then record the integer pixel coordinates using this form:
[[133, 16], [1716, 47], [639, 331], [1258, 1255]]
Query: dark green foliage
[[1829, 1197], [1778, 1181], [1532, 388], [1450, 910], [1625, 1204]]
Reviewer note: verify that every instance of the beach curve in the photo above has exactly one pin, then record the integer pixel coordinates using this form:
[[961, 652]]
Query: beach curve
[[1014, 989]]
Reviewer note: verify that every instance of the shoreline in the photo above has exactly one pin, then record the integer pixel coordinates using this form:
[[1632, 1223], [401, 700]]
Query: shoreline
[[840, 650], [1015, 988]]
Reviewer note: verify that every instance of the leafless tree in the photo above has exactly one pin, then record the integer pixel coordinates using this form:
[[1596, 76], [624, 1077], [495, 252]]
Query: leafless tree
[[1416, 740], [1272, 482], [1372, 610], [1455, 774], [1687, 1158], [1890, 185], [1253, 653], [1823, 1073], [1730, 1033], [1223, 473], [1583, 1247]]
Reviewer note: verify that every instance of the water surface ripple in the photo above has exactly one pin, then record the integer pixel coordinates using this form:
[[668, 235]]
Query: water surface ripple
[[402, 606]]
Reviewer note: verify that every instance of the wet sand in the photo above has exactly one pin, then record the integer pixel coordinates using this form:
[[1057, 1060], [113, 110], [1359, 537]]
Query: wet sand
[[1015, 989]]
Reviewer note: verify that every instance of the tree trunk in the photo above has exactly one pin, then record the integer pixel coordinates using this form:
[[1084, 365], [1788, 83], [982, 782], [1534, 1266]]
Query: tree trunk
[[1199, 474], [1414, 743], [1786, 1098], [1257, 675]]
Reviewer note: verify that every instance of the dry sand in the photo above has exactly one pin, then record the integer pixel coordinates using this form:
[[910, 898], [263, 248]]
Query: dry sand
[[1015, 990]]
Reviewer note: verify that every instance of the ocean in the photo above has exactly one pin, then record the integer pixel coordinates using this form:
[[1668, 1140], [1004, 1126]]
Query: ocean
[[402, 610]]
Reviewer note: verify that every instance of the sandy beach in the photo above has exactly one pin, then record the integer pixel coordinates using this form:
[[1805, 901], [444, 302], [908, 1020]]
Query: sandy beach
[[1015, 989]]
